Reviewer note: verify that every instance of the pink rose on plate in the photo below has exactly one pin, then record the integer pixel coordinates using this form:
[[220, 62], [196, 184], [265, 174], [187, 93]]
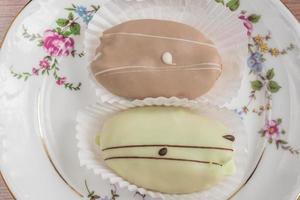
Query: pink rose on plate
[[61, 81], [44, 64], [56, 44]]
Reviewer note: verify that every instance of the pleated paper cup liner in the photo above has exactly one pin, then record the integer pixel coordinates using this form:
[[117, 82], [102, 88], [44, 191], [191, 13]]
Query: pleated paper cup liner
[[91, 119], [214, 20]]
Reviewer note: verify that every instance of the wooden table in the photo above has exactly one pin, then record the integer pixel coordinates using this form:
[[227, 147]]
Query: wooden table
[[10, 8]]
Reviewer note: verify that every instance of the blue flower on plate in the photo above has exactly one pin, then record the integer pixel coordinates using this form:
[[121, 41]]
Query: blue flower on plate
[[81, 11], [84, 14], [87, 18], [255, 62]]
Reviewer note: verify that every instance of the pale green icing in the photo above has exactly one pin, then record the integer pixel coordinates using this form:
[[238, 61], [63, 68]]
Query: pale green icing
[[167, 126], [97, 140]]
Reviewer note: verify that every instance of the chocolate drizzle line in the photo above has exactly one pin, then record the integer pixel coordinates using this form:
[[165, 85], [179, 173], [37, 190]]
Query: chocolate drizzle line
[[155, 158], [229, 137], [167, 145]]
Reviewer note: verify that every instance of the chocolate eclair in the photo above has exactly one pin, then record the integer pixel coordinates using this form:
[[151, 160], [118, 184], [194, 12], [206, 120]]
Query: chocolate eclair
[[153, 58]]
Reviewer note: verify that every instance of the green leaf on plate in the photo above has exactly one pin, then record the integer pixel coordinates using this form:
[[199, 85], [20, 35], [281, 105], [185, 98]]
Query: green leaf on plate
[[58, 29], [62, 22], [256, 85], [70, 9], [273, 86], [220, 1], [96, 8], [270, 140], [270, 74], [40, 43], [282, 142], [71, 16], [254, 18], [279, 121], [75, 28], [67, 33], [233, 5]]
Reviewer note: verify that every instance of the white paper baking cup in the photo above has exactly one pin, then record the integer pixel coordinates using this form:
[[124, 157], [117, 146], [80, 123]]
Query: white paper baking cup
[[91, 119], [214, 20]]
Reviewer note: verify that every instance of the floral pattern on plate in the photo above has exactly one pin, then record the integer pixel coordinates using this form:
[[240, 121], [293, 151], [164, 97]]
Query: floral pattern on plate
[[264, 82], [58, 43], [93, 196], [264, 78], [113, 194]]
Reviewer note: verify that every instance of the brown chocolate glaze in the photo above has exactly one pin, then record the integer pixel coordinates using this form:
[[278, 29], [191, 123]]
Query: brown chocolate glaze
[[131, 62], [168, 145], [229, 137], [159, 158]]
